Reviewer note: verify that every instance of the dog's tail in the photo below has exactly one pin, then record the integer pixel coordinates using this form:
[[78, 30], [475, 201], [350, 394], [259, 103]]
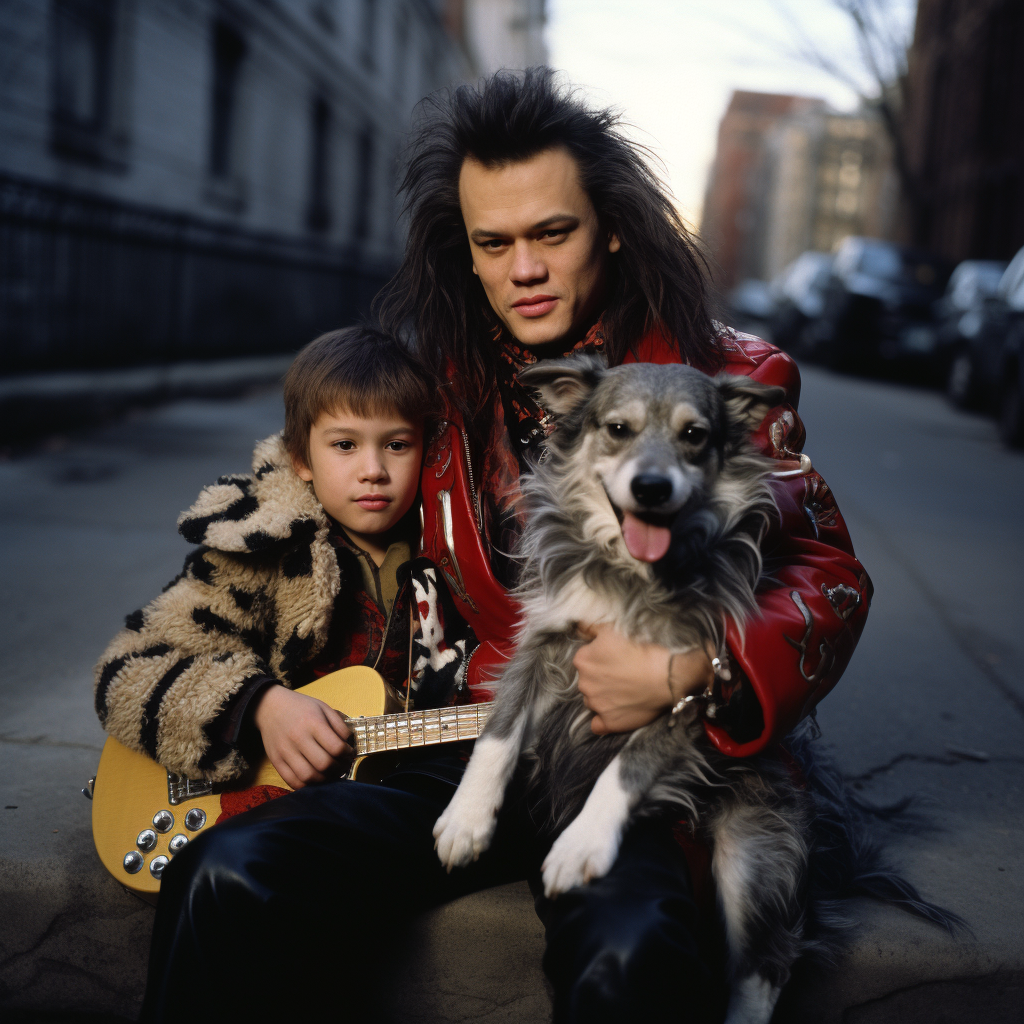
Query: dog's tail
[[847, 854]]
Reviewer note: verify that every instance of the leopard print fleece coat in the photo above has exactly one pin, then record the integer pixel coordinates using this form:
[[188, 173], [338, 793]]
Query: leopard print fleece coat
[[254, 600]]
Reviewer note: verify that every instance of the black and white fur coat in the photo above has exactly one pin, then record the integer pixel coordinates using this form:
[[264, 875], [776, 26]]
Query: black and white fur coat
[[254, 600]]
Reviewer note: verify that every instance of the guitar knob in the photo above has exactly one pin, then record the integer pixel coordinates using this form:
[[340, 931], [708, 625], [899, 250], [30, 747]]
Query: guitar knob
[[178, 843], [132, 862], [163, 821], [195, 819], [157, 865], [146, 840]]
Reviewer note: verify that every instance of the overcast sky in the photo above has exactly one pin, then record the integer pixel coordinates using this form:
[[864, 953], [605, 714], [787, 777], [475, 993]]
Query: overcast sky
[[671, 65]]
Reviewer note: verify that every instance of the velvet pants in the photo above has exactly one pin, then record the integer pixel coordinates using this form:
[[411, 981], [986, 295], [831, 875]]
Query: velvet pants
[[281, 913]]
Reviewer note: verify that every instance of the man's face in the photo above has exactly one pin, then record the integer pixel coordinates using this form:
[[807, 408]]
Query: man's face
[[537, 245], [365, 471]]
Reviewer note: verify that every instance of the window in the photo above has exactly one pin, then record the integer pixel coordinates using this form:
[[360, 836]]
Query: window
[[369, 32], [323, 15], [318, 216], [84, 76], [364, 177], [394, 206], [228, 54], [401, 56]]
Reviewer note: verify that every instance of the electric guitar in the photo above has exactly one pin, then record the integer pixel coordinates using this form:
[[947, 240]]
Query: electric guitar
[[142, 814]]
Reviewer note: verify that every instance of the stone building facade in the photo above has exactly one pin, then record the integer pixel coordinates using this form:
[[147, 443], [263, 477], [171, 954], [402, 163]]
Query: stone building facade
[[826, 175], [505, 33], [732, 225], [195, 178], [792, 175]]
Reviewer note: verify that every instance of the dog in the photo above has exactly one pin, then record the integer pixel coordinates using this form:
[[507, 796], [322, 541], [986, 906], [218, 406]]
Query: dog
[[646, 512]]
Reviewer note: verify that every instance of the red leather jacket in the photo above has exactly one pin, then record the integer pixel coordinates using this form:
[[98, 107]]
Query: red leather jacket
[[812, 610]]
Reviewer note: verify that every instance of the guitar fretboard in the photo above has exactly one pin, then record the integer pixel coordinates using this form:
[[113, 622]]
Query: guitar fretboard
[[419, 728]]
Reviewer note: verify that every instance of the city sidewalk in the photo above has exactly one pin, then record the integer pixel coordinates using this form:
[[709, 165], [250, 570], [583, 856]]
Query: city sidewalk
[[932, 706], [38, 404]]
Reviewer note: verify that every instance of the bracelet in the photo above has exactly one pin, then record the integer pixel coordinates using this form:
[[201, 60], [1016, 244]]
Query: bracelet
[[706, 695], [668, 679]]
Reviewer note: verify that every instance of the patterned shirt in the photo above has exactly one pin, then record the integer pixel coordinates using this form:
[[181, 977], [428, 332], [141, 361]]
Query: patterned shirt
[[519, 428]]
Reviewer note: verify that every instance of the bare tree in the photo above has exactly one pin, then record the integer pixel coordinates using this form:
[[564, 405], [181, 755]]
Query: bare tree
[[878, 75]]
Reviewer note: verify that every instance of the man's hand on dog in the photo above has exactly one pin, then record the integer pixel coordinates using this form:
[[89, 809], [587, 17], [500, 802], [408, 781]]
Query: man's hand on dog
[[303, 737], [626, 684]]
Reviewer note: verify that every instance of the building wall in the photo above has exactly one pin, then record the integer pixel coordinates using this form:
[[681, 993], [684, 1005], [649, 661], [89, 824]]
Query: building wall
[[127, 233], [368, 71], [827, 175], [964, 128], [732, 224], [505, 33]]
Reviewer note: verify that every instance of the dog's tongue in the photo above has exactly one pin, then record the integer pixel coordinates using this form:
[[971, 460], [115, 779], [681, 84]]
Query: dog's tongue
[[645, 542]]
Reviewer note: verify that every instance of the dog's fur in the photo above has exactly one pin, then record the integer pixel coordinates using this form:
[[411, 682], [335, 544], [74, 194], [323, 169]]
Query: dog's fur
[[618, 431]]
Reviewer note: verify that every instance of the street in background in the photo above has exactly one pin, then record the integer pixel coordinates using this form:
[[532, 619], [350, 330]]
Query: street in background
[[878, 307], [986, 370], [959, 314], [799, 299]]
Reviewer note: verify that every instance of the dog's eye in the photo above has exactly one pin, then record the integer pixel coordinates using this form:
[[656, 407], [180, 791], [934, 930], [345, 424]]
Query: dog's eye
[[694, 434], [619, 431]]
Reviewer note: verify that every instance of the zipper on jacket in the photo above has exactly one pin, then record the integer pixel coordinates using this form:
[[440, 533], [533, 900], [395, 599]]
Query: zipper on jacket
[[472, 484], [387, 626], [456, 582]]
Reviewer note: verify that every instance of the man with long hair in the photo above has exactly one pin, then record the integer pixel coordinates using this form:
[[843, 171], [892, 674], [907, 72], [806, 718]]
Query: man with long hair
[[537, 229]]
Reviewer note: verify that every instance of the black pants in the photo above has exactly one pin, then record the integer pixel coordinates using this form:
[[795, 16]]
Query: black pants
[[279, 913]]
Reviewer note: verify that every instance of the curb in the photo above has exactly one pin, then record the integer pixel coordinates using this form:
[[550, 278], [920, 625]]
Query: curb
[[35, 405]]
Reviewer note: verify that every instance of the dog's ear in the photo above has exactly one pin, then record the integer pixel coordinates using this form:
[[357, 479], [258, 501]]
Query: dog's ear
[[563, 383], [747, 401]]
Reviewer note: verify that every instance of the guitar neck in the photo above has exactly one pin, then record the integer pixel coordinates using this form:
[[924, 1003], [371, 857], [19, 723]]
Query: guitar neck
[[418, 728]]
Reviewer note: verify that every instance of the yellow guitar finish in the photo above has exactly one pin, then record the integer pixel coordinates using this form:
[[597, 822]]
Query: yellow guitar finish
[[131, 788]]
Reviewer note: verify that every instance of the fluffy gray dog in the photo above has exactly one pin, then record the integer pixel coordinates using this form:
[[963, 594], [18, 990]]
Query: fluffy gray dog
[[646, 513]]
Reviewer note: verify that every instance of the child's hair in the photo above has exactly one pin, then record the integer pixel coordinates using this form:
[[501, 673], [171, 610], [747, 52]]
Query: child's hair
[[359, 368]]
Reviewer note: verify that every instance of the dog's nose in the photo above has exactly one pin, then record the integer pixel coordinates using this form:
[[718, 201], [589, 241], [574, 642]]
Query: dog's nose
[[651, 489]]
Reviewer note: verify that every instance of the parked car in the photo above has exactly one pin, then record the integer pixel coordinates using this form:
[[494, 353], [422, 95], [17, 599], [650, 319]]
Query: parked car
[[878, 306], [1010, 406], [990, 362], [799, 293], [751, 300], [960, 314]]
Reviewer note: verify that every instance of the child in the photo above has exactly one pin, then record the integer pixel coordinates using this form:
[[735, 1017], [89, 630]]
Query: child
[[304, 566]]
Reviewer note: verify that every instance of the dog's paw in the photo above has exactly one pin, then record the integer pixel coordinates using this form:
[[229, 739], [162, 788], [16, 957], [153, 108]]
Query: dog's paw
[[462, 833], [578, 855]]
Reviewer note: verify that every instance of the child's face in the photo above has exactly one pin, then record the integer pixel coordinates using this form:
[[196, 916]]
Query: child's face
[[365, 471]]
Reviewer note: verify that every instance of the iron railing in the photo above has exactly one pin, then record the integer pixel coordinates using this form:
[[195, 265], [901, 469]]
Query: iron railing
[[88, 282]]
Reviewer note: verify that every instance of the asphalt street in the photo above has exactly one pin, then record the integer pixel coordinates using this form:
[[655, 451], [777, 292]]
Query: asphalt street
[[931, 706]]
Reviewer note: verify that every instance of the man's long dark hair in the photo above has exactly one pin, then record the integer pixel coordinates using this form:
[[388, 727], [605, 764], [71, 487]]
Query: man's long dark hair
[[657, 278]]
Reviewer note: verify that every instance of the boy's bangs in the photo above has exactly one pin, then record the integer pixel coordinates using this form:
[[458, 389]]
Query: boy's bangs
[[385, 398], [358, 369]]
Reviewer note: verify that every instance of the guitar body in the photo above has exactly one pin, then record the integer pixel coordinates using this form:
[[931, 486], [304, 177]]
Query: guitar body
[[136, 827]]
